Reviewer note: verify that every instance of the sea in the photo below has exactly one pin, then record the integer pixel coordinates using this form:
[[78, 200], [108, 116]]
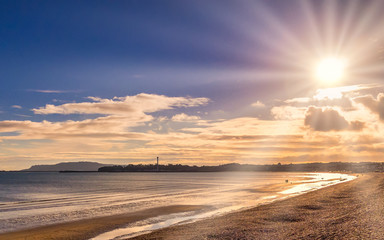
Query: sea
[[32, 199]]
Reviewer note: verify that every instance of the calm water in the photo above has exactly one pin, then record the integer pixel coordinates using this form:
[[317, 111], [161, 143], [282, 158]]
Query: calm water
[[33, 199]]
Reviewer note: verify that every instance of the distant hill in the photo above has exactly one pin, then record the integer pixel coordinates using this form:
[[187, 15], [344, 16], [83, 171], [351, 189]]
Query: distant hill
[[303, 167], [67, 166]]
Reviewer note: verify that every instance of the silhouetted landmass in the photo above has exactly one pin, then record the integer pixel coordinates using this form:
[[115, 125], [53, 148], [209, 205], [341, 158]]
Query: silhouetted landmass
[[305, 167], [67, 166]]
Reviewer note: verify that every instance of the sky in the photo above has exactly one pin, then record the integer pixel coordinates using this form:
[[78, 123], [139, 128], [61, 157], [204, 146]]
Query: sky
[[193, 82]]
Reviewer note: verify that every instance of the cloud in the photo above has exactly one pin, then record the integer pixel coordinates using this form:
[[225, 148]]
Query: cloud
[[107, 127], [141, 103], [122, 114], [124, 130], [162, 118], [258, 104], [298, 100], [375, 105], [339, 92], [331, 97], [252, 138], [51, 91], [369, 149], [356, 125], [343, 102], [246, 126], [22, 115], [16, 106], [329, 120], [182, 117], [288, 112]]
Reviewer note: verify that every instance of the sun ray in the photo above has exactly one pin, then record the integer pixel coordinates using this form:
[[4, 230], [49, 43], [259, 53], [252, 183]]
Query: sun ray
[[329, 19], [362, 30], [347, 23], [314, 33], [279, 27]]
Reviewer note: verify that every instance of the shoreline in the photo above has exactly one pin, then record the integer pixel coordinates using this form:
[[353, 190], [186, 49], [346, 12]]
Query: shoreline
[[349, 210], [296, 189], [88, 228], [94, 227]]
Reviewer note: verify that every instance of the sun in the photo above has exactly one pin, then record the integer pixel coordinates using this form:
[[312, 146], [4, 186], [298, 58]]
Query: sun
[[330, 70]]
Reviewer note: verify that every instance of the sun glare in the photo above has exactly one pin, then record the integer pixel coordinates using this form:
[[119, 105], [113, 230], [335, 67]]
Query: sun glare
[[330, 70]]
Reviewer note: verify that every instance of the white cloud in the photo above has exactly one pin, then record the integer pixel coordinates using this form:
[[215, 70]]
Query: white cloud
[[16, 106], [258, 104], [122, 114], [107, 127], [288, 112], [338, 92], [141, 103], [50, 91], [298, 100], [375, 105], [182, 117]]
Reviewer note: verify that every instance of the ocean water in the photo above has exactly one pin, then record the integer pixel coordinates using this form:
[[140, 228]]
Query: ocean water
[[30, 199]]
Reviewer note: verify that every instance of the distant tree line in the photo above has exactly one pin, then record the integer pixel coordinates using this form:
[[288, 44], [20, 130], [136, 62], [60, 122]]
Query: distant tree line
[[305, 167]]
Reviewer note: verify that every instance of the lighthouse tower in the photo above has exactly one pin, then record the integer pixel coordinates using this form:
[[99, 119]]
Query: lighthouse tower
[[157, 165]]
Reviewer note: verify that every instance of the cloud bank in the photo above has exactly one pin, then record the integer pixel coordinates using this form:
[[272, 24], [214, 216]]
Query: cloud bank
[[132, 129], [375, 105], [329, 119], [141, 103]]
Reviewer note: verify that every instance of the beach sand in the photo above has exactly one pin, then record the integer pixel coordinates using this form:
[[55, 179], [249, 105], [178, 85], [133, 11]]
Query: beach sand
[[85, 229], [350, 210]]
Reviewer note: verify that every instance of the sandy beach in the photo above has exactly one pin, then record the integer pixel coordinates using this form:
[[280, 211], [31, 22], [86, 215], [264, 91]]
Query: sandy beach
[[350, 210], [85, 229]]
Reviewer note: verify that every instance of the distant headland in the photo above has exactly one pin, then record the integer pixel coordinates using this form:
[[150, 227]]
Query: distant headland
[[360, 167], [305, 167], [67, 166]]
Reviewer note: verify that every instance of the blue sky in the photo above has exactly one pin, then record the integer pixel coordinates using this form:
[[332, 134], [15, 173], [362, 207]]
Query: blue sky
[[203, 65], [127, 47]]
